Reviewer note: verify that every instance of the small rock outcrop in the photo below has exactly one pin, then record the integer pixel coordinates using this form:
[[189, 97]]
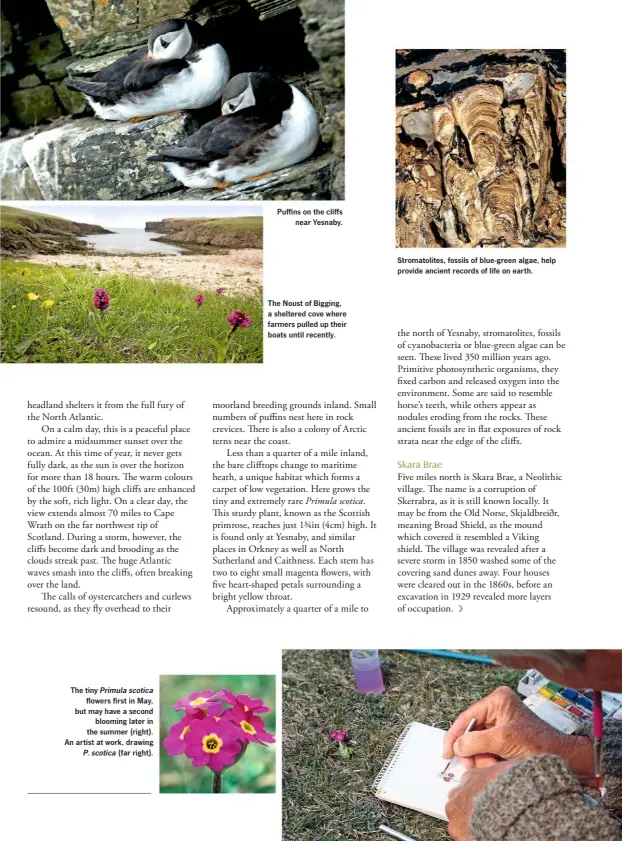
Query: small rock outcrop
[[481, 158], [24, 232]]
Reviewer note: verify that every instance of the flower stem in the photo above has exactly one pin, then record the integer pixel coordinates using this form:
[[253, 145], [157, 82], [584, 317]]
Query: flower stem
[[217, 784]]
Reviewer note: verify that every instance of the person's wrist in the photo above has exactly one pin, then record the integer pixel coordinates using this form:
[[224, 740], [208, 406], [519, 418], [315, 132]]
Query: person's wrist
[[578, 752]]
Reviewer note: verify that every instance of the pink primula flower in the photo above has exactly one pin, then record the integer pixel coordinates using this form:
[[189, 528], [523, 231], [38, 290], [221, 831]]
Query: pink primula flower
[[175, 741], [220, 290], [212, 742], [199, 702], [200, 299], [252, 728], [339, 735], [256, 705]]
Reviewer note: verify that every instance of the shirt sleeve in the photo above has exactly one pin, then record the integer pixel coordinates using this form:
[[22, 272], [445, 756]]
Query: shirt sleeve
[[539, 799]]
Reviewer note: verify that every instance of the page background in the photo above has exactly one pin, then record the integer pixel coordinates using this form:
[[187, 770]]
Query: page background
[[356, 265]]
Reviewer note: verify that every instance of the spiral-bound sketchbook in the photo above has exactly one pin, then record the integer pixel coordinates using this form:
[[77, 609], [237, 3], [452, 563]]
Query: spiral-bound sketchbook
[[411, 776]]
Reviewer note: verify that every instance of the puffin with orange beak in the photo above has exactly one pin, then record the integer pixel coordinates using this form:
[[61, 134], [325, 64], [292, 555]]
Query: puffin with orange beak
[[182, 68]]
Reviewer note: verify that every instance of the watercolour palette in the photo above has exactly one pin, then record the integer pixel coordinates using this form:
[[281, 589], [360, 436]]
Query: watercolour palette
[[564, 708]]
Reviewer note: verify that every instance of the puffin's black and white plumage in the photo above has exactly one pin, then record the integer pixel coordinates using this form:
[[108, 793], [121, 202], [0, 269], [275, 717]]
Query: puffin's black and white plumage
[[266, 125], [181, 69]]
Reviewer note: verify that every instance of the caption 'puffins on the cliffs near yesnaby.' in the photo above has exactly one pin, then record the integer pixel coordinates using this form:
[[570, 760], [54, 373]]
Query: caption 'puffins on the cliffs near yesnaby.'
[[182, 68], [266, 125]]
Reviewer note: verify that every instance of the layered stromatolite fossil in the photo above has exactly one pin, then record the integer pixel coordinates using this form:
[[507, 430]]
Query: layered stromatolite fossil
[[481, 148]]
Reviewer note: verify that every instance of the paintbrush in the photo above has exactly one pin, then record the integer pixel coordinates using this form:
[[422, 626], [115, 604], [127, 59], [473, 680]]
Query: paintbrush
[[468, 728], [597, 719]]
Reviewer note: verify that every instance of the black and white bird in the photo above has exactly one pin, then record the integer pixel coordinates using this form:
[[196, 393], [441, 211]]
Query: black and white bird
[[182, 68], [266, 125]]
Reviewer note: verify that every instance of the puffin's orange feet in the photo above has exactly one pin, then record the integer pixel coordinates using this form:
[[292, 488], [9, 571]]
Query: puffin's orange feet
[[151, 116], [222, 185], [257, 177]]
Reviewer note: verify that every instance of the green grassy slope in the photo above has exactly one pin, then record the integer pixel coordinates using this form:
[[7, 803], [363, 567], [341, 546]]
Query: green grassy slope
[[145, 322]]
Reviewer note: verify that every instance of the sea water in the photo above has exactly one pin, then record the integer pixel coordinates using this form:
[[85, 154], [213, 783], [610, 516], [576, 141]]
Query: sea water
[[131, 241]]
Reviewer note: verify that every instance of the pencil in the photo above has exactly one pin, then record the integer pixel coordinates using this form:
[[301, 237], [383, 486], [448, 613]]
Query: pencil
[[598, 738], [469, 727], [395, 834]]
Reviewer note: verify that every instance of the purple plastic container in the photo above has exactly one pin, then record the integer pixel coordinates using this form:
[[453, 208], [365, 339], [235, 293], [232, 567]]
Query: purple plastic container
[[367, 671]]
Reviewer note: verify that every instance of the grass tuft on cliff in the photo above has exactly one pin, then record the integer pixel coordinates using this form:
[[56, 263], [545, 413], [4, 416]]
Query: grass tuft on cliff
[[146, 322]]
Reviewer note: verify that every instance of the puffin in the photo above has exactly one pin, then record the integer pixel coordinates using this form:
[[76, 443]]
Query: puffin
[[182, 68], [266, 124]]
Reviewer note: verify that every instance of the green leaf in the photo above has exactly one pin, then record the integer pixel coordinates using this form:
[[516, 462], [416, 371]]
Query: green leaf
[[23, 346]]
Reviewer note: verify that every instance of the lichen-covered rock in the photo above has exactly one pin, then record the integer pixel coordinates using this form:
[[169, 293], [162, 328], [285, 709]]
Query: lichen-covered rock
[[56, 70], [72, 101], [45, 49], [476, 151], [96, 27], [150, 11], [6, 67], [6, 36], [33, 106], [310, 180], [16, 181], [97, 160], [30, 81]]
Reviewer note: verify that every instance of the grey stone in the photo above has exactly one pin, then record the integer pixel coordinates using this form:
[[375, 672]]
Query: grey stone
[[56, 69], [270, 8], [72, 101], [309, 180], [6, 67], [88, 66], [45, 49], [31, 81], [16, 181], [95, 160], [35, 105]]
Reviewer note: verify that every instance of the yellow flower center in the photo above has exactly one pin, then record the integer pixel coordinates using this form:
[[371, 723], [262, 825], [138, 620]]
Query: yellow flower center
[[211, 743], [198, 701], [248, 728], [183, 732]]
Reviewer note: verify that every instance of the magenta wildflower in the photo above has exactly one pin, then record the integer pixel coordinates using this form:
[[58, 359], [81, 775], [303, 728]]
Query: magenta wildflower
[[198, 702], [339, 735], [213, 743], [255, 705], [199, 299], [252, 728], [174, 742], [238, 319], [220, 290], [101, 300]]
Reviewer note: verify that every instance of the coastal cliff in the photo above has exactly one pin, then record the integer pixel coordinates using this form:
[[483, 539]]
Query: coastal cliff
[[23, 232], [230, 232]]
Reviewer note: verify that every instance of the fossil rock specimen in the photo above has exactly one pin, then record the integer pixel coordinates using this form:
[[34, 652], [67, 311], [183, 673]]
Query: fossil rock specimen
[[481, 148]]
